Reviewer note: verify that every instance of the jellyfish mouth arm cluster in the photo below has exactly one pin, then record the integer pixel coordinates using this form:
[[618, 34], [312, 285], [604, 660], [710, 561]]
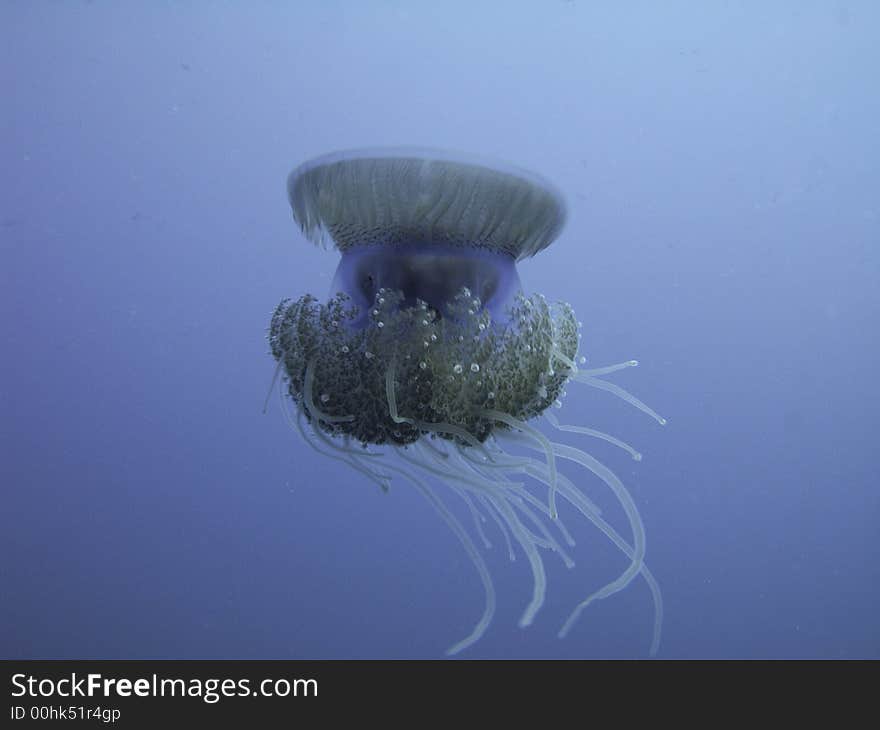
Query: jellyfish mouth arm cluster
[[429, 364]]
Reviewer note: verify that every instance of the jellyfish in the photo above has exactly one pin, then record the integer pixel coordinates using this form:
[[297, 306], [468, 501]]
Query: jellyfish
[[429, 365]]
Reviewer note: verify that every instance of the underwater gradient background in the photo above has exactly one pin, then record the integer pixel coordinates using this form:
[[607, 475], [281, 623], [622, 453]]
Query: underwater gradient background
[[721, 162]]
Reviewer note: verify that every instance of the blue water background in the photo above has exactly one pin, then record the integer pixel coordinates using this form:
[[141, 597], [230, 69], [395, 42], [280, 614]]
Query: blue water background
[[721, 162]]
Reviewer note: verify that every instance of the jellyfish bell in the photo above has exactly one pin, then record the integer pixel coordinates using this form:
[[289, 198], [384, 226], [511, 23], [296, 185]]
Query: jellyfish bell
[[425, 223], [428, 361]]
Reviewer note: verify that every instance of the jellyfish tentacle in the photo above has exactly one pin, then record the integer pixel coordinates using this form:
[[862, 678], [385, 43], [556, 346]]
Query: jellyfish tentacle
[[360, 452], [443, 470], [351, 457], [564, 359], [539, 505], [592, 512], [608, 369], [533, 537], [391, 396], [554, 421], [498, 521], [440, 427], [469, 547], [522, 535], [476, 467], [629, 507], [583, 505], [380, 479], [539, 472], [521, 495], [541, 439], [477, 517], [428, 444], [613, 482], [548, 541], [500, 460], [591, 372], [539, 577], [453, 430], [620, 393]]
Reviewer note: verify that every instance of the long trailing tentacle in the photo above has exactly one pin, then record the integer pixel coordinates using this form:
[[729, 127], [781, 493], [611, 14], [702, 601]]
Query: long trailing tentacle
[[554, 421], [592, 372], [348, 458], [629, 507], [470, 549], [501, 527], [526, 539], [620, 393], [589, 377], [635, 553], [537, 436], [626, 502], [520, 498], [576, 498], [476, 515]]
